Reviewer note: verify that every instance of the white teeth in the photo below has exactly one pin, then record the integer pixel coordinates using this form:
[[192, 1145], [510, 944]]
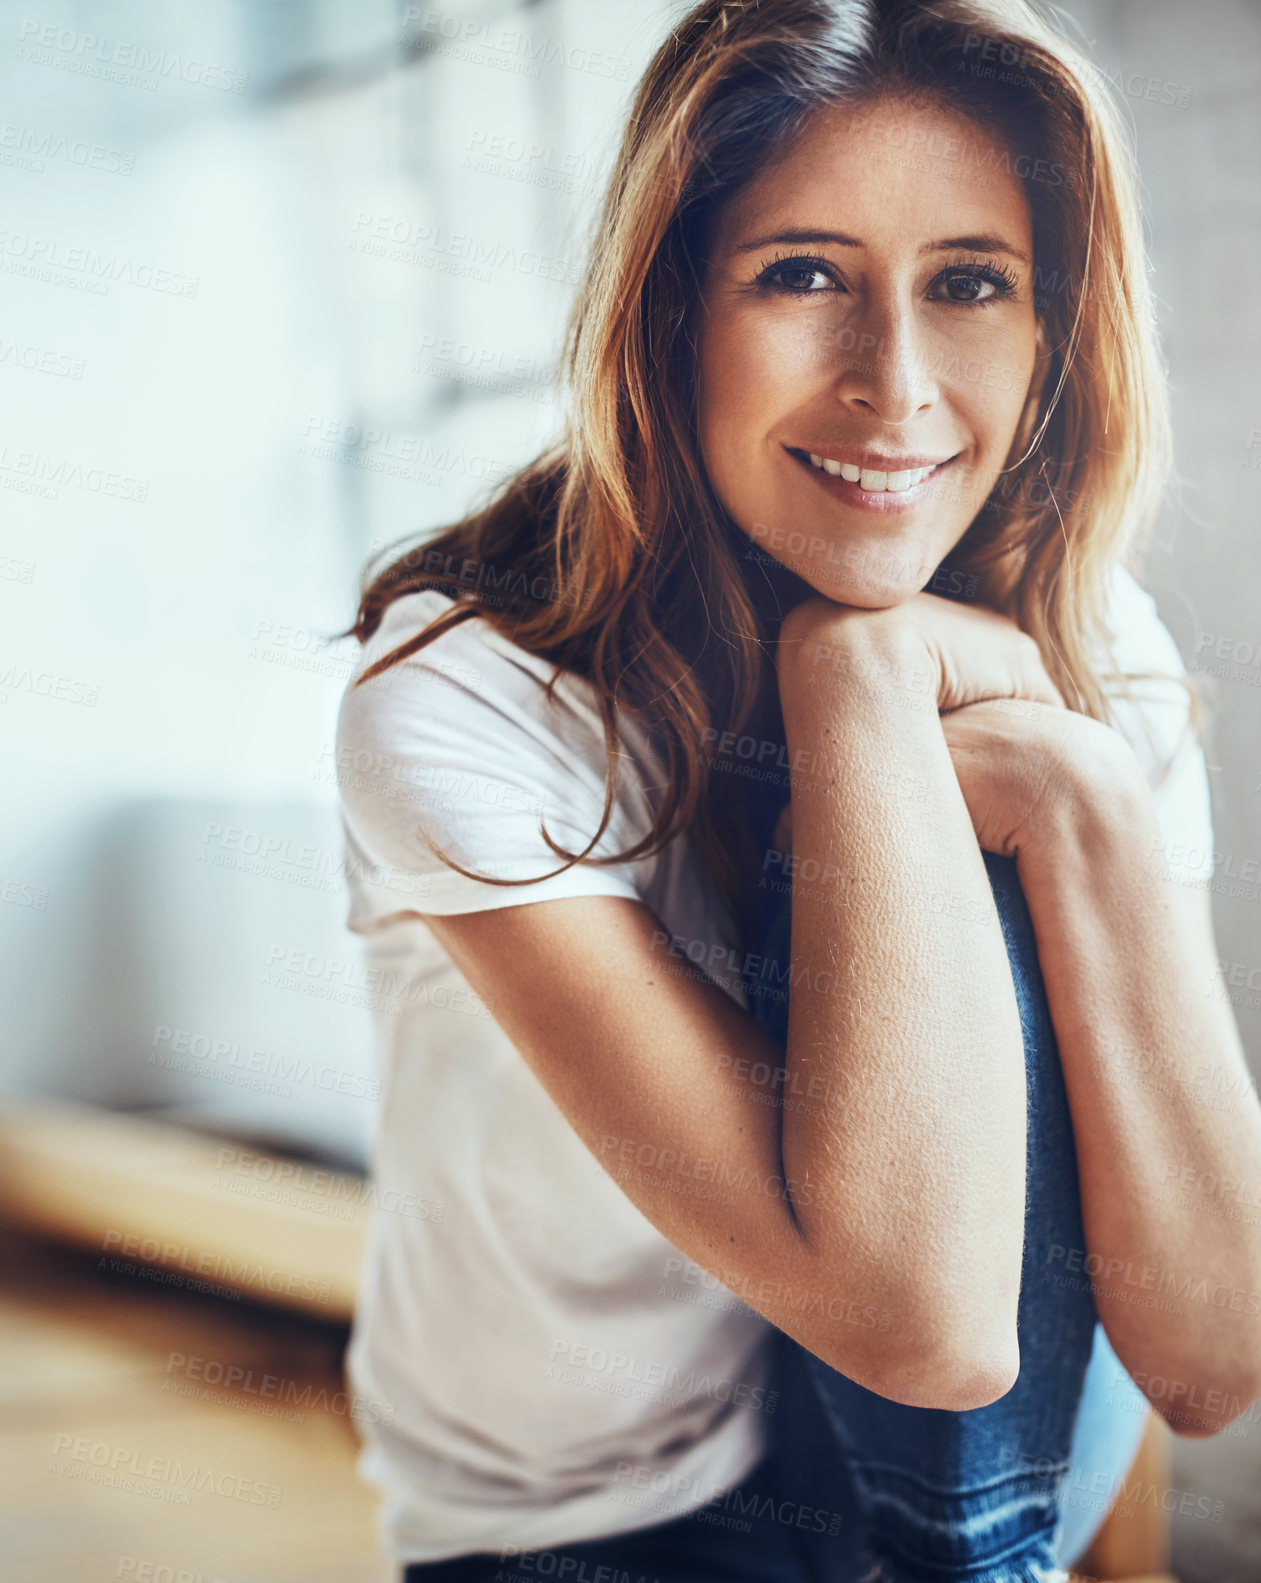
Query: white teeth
[[870, 478]]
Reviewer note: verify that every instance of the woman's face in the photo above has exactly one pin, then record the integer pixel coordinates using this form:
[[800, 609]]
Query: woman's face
[[867, 305]]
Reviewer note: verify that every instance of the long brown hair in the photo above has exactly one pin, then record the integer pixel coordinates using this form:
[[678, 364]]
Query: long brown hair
[[610, 556]]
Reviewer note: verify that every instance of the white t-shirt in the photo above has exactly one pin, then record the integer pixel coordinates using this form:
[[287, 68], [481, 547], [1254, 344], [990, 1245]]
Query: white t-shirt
[[535, 1363]]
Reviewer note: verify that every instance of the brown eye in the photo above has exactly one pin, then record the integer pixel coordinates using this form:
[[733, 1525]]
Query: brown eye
[[968, 288], [797, 277], [974, 285], [801, 278]]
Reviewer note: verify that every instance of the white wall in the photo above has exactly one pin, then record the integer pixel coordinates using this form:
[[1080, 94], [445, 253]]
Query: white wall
[[238, 305]]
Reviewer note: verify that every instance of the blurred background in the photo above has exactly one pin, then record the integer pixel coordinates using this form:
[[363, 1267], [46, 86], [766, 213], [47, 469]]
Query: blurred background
[[283, 281]]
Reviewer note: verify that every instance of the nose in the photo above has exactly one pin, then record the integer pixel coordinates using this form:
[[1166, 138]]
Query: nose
[[884, 366]]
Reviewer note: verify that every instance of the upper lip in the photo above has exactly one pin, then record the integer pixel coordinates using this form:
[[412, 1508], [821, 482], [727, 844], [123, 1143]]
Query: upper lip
[[871, 461]]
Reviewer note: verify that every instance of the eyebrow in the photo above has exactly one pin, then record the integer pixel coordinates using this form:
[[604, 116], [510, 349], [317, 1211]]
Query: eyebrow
[[985, 243]]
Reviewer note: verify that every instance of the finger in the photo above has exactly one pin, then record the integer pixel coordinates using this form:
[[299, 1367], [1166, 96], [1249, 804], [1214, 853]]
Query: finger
[[1046, 692], [1034, 681]]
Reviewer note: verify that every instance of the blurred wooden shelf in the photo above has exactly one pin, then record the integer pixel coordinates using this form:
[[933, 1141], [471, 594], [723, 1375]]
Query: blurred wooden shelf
[[200, 1210], [90, 1366], [205, 1211]]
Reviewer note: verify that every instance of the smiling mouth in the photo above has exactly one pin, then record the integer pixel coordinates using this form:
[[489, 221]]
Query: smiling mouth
[[899, 476]]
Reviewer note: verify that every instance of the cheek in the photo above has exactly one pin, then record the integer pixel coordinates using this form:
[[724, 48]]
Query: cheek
[[756, 368], [986, 375]]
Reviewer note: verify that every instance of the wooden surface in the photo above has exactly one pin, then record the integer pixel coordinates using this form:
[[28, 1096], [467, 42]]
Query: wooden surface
[[1134, 1540], [168, 1215], [98, 1367], [194, 1207]]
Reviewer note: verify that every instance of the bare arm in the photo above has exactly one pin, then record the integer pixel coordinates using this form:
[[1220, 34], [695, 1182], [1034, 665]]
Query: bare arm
[[1130, 969], [1165, 1115], [921, 1154], [897, 1191]]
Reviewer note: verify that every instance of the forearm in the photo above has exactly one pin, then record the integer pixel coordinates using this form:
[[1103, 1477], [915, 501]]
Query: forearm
[[1177, 1278], [902, 1014]]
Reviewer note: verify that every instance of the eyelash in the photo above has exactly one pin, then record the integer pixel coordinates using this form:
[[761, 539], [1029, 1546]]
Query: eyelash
[[1002, 278]]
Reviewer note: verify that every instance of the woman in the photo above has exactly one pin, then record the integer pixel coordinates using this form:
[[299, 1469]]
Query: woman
[[698, 1259]]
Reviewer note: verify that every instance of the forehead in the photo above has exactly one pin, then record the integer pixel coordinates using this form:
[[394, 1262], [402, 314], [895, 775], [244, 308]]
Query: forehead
[[894, 169]]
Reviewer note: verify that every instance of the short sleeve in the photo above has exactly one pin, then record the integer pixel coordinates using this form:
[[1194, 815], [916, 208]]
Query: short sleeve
[[459, 746], [1156, 720]]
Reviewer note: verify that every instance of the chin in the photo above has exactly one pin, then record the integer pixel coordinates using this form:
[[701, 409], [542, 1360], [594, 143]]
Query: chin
[[868, 594], [868, 576]]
